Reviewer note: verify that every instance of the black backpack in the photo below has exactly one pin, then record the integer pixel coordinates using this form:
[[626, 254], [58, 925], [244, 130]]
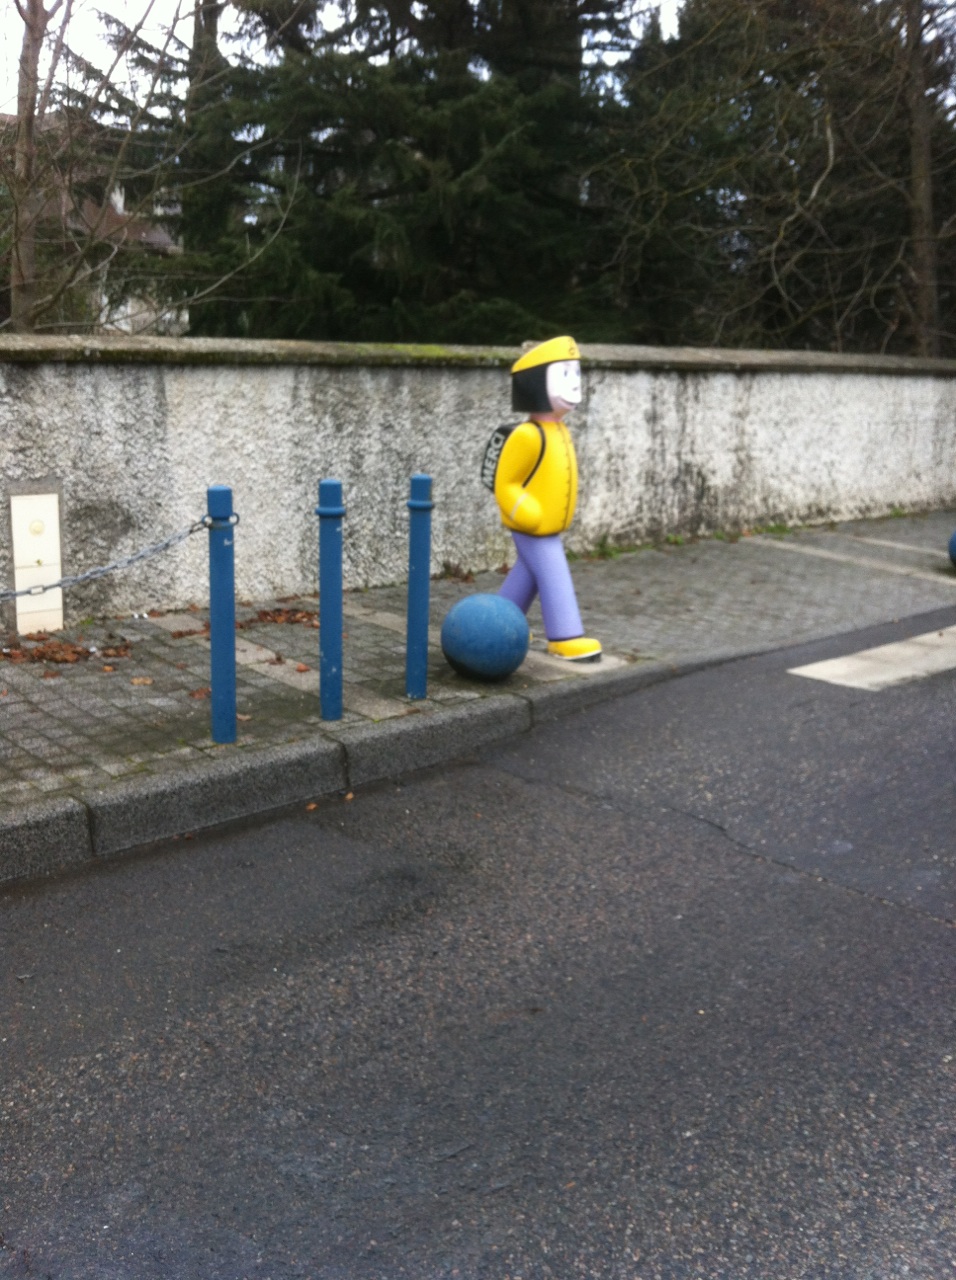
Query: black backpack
[[489, 463]]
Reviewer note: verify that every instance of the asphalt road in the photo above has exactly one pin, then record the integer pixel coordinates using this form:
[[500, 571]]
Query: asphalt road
[[663, 990]]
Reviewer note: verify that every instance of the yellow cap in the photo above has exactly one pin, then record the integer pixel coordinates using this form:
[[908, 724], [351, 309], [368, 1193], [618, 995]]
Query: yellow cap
[[549, 352]]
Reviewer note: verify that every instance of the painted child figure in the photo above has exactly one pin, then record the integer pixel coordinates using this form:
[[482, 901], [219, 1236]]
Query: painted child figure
[[536, 488]]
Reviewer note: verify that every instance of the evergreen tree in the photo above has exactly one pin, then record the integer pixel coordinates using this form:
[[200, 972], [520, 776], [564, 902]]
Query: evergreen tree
[[430, 199]]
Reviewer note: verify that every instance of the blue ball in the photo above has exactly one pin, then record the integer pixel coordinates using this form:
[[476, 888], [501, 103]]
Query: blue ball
[[952, 548], [485, 637]]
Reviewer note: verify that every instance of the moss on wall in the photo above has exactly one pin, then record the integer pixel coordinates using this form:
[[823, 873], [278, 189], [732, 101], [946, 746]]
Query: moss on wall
[[74, 349]]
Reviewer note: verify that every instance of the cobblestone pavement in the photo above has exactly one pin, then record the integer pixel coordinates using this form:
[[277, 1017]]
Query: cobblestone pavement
[[134, 701]]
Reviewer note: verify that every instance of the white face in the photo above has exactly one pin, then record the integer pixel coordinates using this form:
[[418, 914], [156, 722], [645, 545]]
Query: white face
[[564, 385]]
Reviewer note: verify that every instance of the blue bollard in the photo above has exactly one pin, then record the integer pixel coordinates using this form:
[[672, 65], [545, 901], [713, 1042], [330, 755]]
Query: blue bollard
[[419, 562], [222, 612], [330, 512]]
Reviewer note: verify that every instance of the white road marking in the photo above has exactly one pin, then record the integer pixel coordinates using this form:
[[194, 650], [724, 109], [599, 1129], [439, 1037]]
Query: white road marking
[[543, 666], [538, 663], [186, 622], [897, 546], [389, 621], [364, 702], [876, 566], [888, 664], [248, 654]]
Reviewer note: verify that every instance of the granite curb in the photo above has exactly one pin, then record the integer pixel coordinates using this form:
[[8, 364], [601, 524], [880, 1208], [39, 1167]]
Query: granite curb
[[48, 837]]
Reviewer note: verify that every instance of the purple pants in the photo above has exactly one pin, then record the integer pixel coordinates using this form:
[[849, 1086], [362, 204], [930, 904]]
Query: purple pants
[[542, 569]]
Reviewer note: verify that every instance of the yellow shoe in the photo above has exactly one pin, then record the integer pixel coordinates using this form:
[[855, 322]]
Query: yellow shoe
[[580, 649]]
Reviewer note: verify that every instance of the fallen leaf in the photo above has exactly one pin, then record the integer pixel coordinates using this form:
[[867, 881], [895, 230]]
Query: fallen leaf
[[301, 667], [240, 716], [350, 795], [141, 680], [3, 693], [116, 651], [109, 669], [46, 650], [200, 693], [311, 806], [51, 675]]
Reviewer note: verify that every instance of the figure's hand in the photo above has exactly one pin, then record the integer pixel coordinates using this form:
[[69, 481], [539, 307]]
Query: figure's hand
[[526, 512]]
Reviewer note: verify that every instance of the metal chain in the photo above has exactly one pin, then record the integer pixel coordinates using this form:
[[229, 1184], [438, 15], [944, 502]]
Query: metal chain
[[91, 574]]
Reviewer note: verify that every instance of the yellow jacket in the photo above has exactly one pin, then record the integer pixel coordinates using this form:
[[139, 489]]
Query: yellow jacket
[[537, 488]]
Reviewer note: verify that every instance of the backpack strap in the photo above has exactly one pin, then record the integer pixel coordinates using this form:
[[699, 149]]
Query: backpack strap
[[495, 446], [540, 455]]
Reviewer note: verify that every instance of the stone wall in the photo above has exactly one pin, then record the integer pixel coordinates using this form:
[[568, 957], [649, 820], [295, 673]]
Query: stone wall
[[130, 432]]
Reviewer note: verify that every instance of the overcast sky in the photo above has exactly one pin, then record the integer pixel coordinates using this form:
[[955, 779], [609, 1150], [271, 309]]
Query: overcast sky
[[85, 27]]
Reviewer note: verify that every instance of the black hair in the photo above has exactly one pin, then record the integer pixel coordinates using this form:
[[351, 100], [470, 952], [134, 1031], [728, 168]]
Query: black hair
[[529, 390]]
